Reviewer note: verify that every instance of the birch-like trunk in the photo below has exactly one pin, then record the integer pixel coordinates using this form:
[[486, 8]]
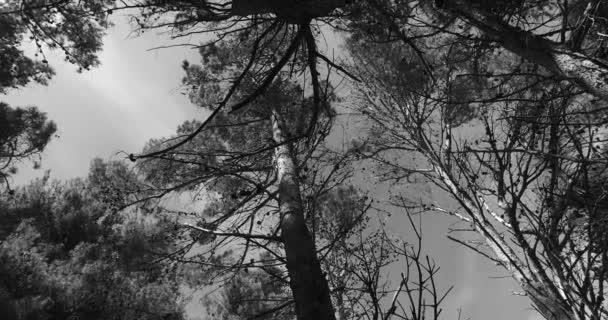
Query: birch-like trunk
[[588, 72], [531, 279], [340, 285], [307, 281]]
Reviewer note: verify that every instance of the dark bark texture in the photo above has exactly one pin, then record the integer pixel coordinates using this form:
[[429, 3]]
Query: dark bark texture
[[588, 72], [292, 11], [307, 281]]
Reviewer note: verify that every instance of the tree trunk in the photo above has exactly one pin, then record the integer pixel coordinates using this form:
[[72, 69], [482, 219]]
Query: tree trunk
[[550, 307], [308, 284], [588, 72], [292, 11], [341, 311], [544, 298]]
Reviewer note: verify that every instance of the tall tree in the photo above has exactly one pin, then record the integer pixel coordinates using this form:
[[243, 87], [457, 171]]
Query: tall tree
[[514, 150], [253, 159], [356, 258], [564, 50]]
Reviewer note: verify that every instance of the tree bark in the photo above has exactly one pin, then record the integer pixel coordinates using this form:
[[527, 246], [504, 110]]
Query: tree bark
[[549, 306], [588, 72], [544, 298], [292, 11], [307, 281]]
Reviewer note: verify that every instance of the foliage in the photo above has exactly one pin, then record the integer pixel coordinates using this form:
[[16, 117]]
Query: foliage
[[76, 28], [24, 133], [16, 69], [355, 256], [234, 159], [60, 258], [516, 169], [527, 78], [257, 293]]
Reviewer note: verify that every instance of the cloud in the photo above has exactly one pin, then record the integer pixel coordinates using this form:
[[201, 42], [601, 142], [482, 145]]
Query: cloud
[[120, 105]]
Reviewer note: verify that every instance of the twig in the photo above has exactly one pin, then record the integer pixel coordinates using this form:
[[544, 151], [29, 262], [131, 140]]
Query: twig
[[231, 234]]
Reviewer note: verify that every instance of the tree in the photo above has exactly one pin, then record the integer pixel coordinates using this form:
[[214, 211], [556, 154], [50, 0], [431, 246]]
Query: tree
[[565, 49], [252, 160], [355, 257], [74, 28], [260, 175], [514, 150], [568, 49], [62, 257], [564, 37], [255, 294], [24, 133], [55, 24], [562, 51]]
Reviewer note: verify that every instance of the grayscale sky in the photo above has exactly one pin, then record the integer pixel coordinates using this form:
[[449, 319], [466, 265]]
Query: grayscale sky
[[133, 96]]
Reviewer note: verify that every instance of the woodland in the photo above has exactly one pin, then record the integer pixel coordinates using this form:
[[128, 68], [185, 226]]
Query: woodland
[[501, 106]]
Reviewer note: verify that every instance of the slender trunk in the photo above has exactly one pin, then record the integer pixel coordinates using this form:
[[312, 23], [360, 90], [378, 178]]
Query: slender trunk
[[308, 284], [341, 311], [341, 286], [337, 280], [589, 73], [532, 281], [548, 305]]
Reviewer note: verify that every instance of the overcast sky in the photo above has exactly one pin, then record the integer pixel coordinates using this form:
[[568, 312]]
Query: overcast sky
[[118, 106], [133, 97]]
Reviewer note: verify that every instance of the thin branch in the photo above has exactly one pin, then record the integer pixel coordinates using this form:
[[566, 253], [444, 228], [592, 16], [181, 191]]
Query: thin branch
[[231, 234]]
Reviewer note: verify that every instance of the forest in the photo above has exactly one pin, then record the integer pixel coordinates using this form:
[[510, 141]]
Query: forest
[[341, 141]]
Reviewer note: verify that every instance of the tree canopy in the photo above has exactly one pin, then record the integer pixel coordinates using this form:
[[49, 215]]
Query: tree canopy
[[24, 133], [66, 254], [502, 103]]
